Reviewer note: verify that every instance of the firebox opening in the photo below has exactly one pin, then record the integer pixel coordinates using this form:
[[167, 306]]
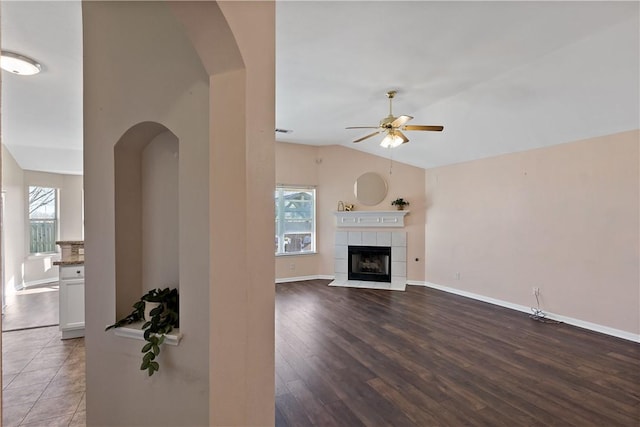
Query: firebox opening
[[369, 263]]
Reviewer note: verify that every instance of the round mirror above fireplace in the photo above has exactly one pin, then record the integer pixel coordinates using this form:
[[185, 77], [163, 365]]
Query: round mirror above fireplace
[[370, 188]]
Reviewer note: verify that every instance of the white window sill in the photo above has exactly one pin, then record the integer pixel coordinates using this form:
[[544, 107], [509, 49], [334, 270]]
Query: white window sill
[[134, 331], [297, 253], [44, 255]]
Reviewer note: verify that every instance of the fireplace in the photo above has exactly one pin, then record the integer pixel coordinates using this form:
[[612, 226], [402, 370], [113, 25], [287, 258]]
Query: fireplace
[[369, 263], [392, 242]]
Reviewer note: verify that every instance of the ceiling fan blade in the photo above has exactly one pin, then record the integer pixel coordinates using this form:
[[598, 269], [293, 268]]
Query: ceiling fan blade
[[399, 121], [423, 127], [403, 136], [367, 136], [363, 127]]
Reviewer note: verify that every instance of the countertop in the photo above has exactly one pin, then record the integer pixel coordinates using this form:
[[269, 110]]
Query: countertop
[[67, 262]]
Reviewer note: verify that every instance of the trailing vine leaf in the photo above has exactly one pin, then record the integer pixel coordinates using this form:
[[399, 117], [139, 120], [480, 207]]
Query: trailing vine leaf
[[153, 367], [164, 318]]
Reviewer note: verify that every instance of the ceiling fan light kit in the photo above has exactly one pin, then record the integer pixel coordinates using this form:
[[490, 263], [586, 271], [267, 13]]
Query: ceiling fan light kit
[[19, 64], [392, 140], [393, 126]]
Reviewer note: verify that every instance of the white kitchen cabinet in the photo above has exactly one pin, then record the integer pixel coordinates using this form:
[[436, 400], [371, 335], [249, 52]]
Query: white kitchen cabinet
[[71, 300]]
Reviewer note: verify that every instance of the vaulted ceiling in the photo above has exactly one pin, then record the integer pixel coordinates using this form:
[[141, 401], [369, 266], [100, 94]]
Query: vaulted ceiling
[[500, 76]]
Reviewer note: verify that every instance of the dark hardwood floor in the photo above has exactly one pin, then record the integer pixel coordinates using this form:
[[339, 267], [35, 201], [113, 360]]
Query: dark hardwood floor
[[357, 357]]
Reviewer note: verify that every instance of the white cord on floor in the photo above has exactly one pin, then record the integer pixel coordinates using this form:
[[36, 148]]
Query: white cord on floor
[[540, 315]]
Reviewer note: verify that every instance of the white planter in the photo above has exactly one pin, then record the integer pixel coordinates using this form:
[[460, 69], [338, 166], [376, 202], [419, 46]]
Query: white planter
[[148, 306]]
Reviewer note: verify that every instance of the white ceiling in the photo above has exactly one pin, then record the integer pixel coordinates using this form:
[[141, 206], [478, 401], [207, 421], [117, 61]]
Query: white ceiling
[[500, 76], [42, 114]]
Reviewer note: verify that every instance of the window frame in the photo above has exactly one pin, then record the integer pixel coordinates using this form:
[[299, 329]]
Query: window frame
[[278, 196], [56, 221]]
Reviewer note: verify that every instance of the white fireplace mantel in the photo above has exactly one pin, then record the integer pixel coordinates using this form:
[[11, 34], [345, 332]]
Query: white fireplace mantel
[[370, 218]]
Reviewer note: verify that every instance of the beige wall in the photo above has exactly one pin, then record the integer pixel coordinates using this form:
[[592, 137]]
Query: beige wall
[[221, 108], [2, 249], [22, 268], [160, 202], [71, 208], [242, 165], [564, 219], [296, 165], [334, 170], [145, 71], [14, 220], [70, 203]]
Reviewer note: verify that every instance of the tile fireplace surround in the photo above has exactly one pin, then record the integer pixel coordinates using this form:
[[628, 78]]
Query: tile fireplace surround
[[397, 240]]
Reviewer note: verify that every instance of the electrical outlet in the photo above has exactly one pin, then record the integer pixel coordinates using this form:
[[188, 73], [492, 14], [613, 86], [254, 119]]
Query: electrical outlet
[[292, 267], [457, 275], [535, 291]]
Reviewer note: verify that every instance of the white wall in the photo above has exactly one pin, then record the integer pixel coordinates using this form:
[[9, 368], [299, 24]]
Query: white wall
[[40, 268], [14, 220]]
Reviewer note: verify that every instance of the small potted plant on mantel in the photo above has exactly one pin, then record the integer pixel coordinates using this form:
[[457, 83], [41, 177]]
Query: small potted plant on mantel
[[400, 203], [161, 319]]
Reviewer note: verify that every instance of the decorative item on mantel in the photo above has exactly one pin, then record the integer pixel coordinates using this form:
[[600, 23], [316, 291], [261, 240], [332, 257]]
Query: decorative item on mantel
[[349, 207], [340, 206], [400, 203]]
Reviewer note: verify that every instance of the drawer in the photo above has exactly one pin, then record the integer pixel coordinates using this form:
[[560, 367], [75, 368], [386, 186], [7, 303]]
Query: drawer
[[71, 271]]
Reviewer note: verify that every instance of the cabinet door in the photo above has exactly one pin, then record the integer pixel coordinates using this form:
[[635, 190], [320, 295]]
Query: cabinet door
[[71, 304]]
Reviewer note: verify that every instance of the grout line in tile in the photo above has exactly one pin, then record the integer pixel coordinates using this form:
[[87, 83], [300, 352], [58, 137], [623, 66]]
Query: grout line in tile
[[39, 399]]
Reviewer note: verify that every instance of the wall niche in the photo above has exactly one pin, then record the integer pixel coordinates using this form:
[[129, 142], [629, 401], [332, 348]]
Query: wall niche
[[147, 233]]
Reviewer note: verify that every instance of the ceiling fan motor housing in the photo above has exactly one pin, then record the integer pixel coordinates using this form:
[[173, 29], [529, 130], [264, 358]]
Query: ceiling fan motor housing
[[387, 122]]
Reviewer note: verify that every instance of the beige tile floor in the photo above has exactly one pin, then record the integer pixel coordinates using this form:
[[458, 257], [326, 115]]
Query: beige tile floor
[[43, 379], [43, 376]]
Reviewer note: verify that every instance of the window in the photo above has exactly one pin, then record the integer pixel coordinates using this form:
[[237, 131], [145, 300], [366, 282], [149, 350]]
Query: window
[[43, 219], [295, 220]]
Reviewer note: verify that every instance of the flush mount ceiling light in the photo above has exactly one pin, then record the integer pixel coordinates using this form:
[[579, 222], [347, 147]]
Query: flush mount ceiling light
[[19, 64]]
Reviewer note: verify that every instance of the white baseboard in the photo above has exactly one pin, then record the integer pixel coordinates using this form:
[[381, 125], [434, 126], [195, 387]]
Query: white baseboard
[[569, 320], [36, 283], [302, 278]]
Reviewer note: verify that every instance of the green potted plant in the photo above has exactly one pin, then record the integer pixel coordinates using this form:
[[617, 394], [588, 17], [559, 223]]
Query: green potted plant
[[162, 318], [400, 203]]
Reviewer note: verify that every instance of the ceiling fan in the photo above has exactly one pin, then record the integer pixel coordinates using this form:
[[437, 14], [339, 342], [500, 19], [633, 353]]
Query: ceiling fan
[[393, 126]]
